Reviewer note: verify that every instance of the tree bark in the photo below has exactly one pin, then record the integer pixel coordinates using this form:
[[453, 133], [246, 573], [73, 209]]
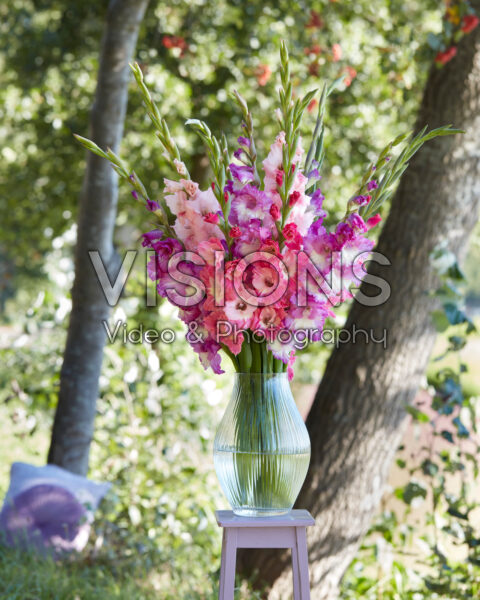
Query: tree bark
[[74, 418], [357, 418]]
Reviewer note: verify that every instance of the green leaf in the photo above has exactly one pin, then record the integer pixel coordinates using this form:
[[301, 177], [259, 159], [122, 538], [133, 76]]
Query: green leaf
[[461, 429], [413, 490], [447, 435], [434, 41], [455, 315], [440, 320], [418, 415], [429, 467]]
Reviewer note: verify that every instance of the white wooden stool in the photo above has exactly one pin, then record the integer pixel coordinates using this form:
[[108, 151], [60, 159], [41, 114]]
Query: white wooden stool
[[284, 531]]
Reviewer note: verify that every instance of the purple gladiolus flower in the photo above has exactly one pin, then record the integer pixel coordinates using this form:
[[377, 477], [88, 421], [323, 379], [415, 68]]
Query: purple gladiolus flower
[[317, 201], [243, 141], [134, 194], [242, 174], [356, 222], [362, 200], [344, 233], [314, 174], [152, 206], [229, 187], [150, 237], [372, 185]]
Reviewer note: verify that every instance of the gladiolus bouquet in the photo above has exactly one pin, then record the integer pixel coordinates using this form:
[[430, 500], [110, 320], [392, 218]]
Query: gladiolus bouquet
[[249, 261]]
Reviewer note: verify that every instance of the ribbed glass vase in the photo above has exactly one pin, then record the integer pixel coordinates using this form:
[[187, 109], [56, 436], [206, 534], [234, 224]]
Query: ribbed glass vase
[[261, 449]]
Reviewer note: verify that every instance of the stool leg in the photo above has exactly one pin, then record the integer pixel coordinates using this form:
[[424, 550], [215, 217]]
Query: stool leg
[[302, 554], [227, 569], [296, 574]]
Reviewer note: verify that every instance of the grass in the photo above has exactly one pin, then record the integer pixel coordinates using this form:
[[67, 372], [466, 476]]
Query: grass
[[24, 576]]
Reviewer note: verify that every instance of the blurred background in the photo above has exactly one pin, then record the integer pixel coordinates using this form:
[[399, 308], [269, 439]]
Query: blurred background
[[155, 535]]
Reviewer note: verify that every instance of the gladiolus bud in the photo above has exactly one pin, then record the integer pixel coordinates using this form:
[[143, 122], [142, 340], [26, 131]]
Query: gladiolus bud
[[275, 212], [211, 218], [235, 232], [293, 198]]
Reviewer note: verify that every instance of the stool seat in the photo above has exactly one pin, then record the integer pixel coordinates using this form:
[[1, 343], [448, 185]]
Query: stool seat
[[282, 531]]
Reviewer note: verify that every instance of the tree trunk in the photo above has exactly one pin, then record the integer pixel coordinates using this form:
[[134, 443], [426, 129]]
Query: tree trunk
[[74, 418], [357, 418]]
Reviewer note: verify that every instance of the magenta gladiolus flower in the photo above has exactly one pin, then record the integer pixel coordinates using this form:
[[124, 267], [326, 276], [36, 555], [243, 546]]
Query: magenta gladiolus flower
[[211, 218], [274, 212]]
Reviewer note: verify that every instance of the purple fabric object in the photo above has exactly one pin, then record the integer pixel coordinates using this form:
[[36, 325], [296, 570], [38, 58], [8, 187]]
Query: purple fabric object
[[46, 518], [24, 476], [41, 501]]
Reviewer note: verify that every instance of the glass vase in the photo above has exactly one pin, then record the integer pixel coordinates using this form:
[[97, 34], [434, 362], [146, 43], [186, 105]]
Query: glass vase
[[261, 449]]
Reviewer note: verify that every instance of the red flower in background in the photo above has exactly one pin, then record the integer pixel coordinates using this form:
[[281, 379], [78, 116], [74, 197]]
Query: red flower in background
[[315, 49], [469, 22], [350, 76], [313, 69], [444, 57], [311, 105], [336, 52], [174, 41], [263, 74], [315, 21]]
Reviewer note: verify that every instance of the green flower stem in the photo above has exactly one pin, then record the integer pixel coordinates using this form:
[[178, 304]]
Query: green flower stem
[[292, 113], [388, 172], [162, 131], [257, 414], [248, 127]]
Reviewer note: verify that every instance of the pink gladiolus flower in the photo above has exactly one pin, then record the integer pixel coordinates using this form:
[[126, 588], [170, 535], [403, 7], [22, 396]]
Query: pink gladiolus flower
[[211, 218], [239, 311], [179, 165], [264, 279], [220, 284], [190, 186], [208, 248], [293, 239]]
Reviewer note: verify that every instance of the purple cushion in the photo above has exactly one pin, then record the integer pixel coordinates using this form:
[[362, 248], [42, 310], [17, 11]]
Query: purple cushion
[[45, 517]]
